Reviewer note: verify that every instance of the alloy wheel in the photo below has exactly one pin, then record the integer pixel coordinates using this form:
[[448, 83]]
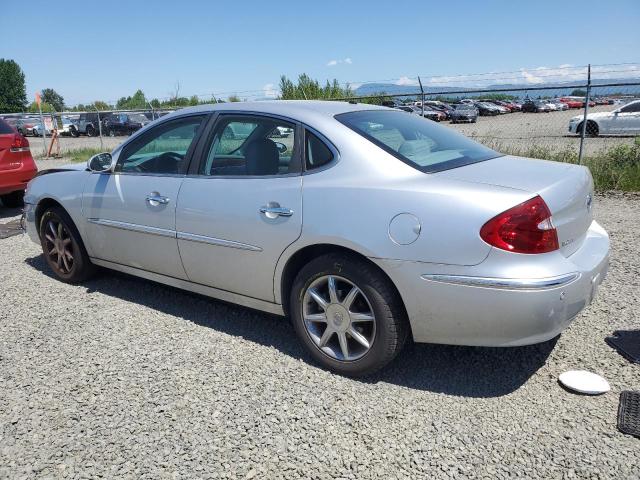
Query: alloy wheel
[[59, 247], [338, 318]]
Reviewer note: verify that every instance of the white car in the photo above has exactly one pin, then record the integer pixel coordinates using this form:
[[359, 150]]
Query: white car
[[552, 106], [624, 120]]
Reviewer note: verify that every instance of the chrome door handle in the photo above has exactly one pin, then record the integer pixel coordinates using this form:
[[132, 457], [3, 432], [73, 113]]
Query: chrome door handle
[[154, 199], [273, 212]]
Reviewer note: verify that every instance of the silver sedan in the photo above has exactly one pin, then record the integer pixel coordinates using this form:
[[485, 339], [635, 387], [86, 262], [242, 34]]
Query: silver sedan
[[367, 226]]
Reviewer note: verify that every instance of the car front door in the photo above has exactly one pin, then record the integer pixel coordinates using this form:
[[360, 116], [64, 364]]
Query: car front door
[[130, 213], [630, 118], [243, 204]]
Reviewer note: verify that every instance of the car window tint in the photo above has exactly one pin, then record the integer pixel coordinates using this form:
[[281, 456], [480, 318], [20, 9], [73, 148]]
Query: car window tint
[[633, 107], [317, 153], [161, 150], [419, 142], [251, 145], [5, 128]]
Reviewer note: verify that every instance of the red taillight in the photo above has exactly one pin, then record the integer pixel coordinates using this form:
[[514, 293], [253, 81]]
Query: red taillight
[[525, 228], [19, 143]]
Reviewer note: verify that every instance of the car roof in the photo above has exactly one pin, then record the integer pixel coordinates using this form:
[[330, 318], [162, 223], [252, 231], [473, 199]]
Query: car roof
[[302, 110]]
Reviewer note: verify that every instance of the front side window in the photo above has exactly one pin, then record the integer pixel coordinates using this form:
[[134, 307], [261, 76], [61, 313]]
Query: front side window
[[247, 145], [162, 150], [421, 143]]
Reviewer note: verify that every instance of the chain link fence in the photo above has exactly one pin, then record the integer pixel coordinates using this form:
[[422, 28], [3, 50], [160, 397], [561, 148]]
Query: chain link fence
[[544, 121]]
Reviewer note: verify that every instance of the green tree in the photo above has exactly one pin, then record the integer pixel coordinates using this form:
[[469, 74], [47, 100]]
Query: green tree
[[46, 107], [309, 89], [13, 91], [53, 98], [100, 105], [138, 101], [578, 92], [155, 103], [234, 98]]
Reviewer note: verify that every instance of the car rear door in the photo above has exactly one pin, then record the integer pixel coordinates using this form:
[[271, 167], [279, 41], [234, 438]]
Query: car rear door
[[241, 205], [130, 213]]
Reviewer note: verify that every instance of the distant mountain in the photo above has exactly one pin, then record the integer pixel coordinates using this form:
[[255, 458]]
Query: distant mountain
[[629, 87]]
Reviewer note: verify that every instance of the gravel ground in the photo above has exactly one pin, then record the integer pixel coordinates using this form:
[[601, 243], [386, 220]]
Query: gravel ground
[[121, 377], [510, 131]]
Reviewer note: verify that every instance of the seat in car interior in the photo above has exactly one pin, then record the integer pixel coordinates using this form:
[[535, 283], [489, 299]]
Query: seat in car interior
[[262, 157]]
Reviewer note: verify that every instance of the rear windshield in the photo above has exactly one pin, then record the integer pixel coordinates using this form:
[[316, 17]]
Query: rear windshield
[[5, 128], [420, 142]]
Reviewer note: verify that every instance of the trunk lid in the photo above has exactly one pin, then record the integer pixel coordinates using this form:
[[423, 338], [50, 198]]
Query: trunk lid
[[566, 189]]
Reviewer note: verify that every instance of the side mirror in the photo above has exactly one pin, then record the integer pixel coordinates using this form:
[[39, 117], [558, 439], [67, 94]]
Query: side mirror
[[281, 147], [100, 162]]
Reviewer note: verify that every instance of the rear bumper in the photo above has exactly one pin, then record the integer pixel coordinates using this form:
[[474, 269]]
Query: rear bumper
[[477, 306], [14, 180]]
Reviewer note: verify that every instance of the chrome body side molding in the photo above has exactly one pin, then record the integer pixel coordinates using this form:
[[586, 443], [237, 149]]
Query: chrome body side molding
[[133, 227], [172, 233], [216, 241], [505, 283]]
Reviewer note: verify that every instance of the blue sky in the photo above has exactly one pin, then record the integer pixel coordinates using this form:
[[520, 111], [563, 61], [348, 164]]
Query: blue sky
[[104, 50]]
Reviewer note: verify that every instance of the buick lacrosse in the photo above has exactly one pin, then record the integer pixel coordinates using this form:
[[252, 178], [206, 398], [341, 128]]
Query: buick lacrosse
[[367, 226]]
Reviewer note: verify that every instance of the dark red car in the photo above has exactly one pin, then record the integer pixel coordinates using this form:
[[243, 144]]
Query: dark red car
[[16, 165], [572, 103]]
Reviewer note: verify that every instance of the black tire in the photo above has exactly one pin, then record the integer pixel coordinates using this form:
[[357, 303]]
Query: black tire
[[91, 132], [74, 132], [13, 199], [391, 325], [111, 132], [591, 130], [72, 270]]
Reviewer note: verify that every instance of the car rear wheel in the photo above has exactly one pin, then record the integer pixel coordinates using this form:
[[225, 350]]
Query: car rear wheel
[[63, 248], [13, 199], [347, 314], [91, 132], [74, 132]]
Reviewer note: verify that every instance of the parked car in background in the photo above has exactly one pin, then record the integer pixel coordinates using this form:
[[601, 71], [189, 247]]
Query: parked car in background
[[67, 124], [535, 106], [560, 106], [572, 103], [123, 123], [432, 237], [88, 124], [17, 167], [624, 120], [552, 107], [36, 130], [464, 112], [487, 109]]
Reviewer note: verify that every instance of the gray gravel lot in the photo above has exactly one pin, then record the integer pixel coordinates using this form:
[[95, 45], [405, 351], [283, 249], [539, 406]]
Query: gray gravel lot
[[121, 377]]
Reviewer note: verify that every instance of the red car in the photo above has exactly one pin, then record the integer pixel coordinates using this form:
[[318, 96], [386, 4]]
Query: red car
[[16, 165], [571, 103]]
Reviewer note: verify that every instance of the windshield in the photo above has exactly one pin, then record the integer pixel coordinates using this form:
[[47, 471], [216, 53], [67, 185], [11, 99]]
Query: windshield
[[421, 143]]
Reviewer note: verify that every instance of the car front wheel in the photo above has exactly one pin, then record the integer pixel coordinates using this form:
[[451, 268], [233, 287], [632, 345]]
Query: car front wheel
[[347, 314], [63, 248]]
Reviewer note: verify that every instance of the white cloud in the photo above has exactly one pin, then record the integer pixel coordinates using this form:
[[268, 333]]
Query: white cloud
[[333, 63], [407, 81]]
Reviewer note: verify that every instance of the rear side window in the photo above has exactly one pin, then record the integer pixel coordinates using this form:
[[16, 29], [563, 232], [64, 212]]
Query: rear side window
[[5, 128], [316, 152], [419, 142]]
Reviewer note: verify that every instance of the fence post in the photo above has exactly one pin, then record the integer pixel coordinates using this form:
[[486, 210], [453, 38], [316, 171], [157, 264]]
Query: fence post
[[44, 129], [421, 95], [99, 128], [584, 118]]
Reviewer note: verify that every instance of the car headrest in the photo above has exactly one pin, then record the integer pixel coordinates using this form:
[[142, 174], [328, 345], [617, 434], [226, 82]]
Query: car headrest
[[262, 157]]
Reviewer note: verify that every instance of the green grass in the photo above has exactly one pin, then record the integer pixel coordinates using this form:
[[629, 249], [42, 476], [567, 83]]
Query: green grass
[[82, 154], [616, 168]]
